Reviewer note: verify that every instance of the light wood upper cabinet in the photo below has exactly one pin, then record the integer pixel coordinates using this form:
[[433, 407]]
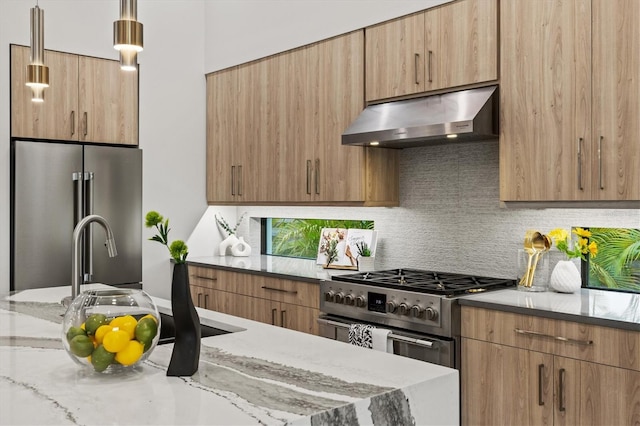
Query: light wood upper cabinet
[[570, 75], [452, 45], [526, 370], [281, 141], [108, 102], [57, 116], [88, 99]]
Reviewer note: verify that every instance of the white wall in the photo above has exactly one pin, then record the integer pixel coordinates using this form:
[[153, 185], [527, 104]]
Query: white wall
[[239, 31], [172, 106]]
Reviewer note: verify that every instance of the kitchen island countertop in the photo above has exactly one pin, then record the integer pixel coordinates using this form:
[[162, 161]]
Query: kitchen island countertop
[[257, 374]]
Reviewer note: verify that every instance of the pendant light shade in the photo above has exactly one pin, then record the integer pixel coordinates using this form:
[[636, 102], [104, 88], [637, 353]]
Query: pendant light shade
[[37, 71], [127, 35]]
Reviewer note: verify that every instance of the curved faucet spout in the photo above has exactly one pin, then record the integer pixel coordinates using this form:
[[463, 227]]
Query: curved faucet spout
[[76, 271]]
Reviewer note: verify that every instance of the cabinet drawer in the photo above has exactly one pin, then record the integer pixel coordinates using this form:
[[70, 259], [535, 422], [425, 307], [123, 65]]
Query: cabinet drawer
[[207, 278], [605, 345], [287, 291]]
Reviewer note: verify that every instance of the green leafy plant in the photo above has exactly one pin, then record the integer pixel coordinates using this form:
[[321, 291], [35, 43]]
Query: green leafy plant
[[618, 263], [177, 249], [363, 249], [225, 226]]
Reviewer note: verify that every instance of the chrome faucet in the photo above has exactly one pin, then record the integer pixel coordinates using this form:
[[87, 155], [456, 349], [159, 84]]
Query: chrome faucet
[[76, 272]]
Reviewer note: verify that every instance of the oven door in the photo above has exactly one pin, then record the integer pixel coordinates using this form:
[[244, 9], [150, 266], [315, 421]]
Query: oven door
[[422, 347]]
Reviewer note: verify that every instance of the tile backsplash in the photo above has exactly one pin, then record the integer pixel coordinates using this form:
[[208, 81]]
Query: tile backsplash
[[450, 218]]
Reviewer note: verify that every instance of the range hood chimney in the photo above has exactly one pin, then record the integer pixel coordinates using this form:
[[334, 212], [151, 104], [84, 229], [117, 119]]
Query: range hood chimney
[[467, 115]]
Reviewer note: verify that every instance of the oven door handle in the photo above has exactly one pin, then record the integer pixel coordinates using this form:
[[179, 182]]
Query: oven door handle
[[392, 336]]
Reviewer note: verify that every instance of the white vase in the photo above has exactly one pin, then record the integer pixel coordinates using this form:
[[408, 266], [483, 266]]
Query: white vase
[[241, 248], [565, 277], [227, 243], [366, 263]]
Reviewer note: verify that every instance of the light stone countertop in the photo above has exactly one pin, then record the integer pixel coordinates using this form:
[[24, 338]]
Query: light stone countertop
[[589, 306], [258, 374]]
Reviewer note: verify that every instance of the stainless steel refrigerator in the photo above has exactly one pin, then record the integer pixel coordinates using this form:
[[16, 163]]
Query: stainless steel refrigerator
[[53, 186]]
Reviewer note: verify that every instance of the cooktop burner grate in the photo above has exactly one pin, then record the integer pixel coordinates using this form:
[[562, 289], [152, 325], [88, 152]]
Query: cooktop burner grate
[[442, 283]]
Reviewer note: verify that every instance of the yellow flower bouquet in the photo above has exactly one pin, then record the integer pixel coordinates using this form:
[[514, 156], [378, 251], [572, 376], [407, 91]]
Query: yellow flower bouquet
[[581, 246]]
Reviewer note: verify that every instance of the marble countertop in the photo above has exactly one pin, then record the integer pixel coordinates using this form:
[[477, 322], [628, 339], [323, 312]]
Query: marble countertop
[[277, 266], [589, 306], [257, 374]]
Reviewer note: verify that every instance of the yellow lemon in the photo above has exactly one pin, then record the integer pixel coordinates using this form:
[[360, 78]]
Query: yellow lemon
[[126, 322], [101, 331], [131, 353], [115, 340]]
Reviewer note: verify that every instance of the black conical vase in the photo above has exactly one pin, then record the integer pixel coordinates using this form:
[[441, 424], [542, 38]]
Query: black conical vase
[[186, 349]]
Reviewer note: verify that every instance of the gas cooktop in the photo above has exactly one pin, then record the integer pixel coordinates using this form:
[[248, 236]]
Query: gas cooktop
[[441, 283]]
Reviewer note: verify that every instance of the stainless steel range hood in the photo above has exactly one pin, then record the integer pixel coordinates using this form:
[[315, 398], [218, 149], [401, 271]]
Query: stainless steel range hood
[[467, 115]]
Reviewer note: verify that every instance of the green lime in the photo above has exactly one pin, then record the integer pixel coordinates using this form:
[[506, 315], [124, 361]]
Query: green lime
[[75, 331], [81, 346], [101, 358], [146, 330], [93, 322]]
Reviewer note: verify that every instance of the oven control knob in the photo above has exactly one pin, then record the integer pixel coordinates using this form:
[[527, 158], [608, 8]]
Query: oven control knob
[[391, 306], [339, 297], [328, 296], [361, 302], [348, 299], [432, 314], [403, 309], [416, 311]]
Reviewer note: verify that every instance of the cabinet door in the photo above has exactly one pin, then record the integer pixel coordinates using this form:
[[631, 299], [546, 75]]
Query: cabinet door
[[609, 395], [545, 100], [395, 58], [108, 102], [616, 85], [299, 318], [568, 398], [55, 118], [502, 385], [202, 297], [222, 135], [461, 44], [339, 170]]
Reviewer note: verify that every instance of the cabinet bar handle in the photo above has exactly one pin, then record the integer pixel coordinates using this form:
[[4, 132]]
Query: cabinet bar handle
[[540, 381], [416, 60], [73, 123], [283, 318], [309, 177], [205, 278], [560, 338], [429, 65], [86, 123], [600, 162], [239, 179], [199, 299], [206, 301], [580, 164], [561, 391], [273, 316], [317, 176], [280, 290], [233, 176]]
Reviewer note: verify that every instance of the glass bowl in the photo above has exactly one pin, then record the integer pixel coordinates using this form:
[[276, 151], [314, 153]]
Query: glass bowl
[[111, 330]]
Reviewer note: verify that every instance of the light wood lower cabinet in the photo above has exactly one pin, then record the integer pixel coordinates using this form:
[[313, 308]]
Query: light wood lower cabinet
[[510, 377], [283, 303]]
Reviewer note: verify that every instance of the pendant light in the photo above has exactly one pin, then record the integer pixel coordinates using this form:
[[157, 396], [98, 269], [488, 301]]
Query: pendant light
[[127, 35], [37, 71]]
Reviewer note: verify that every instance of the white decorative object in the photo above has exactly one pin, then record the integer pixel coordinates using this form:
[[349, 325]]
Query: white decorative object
[[366, 263], [241, 248], [565, 277], [227, 243]]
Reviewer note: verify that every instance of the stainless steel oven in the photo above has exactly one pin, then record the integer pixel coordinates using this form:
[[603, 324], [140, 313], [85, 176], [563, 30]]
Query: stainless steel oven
[[419, 307], [422, 347]]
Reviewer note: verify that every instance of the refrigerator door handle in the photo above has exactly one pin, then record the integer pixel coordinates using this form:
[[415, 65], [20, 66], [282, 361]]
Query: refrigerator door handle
[[88, 233], [77, 197]]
